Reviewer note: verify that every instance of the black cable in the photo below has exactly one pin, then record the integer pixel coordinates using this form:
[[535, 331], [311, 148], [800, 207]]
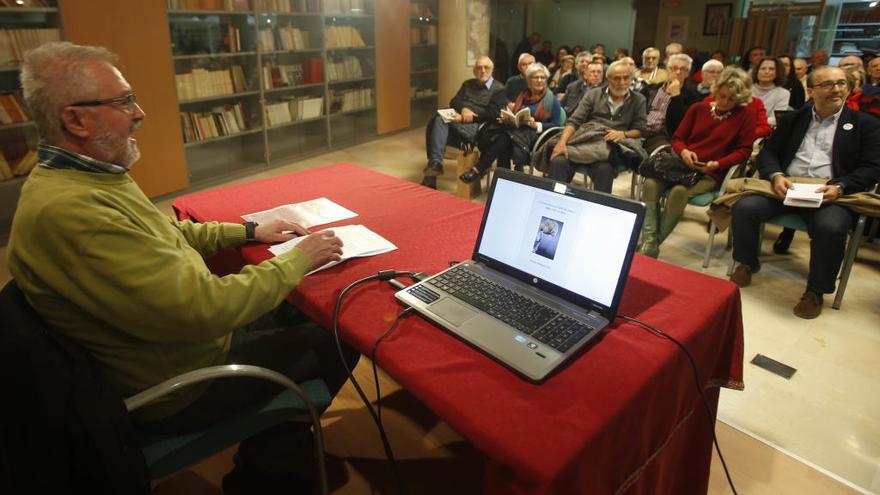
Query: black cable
[[400, 316], [389, 453], [699, 383]]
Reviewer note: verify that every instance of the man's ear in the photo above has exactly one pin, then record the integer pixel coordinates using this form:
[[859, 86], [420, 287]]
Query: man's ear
[[72, 119]]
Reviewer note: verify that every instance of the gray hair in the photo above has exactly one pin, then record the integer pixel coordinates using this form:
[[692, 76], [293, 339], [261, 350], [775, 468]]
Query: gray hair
[[682, 57], [537, 67], [648, 50], [582, 55], [737, 81], [55, 75], [713, 63], [673, 44], [630, 70], [522, 56]]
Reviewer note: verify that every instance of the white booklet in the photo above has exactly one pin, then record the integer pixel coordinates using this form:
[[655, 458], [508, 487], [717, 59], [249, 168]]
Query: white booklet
[[803, 195], [308, 213], [447, 114], [357, 241], [515, 119]]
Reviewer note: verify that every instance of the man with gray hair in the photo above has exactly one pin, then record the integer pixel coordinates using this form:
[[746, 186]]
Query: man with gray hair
[[651, 72], [668, 102], [672, 49], [710, 71], [592, 76], [105, 268], [516, 83], [605, 118], [581, 60]]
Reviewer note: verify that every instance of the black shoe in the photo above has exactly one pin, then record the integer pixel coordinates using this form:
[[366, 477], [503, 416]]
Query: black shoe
[[469, 176], [783, 242], [430, 181]]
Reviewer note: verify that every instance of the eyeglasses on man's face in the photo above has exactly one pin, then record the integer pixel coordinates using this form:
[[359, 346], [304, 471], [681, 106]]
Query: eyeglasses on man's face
[[126, 102], [826, 85]]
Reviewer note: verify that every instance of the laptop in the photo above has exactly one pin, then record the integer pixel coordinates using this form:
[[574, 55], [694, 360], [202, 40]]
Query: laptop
[[546, 276]]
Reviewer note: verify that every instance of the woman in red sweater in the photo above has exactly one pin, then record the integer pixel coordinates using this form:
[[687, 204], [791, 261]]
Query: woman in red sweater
[[712, 137]]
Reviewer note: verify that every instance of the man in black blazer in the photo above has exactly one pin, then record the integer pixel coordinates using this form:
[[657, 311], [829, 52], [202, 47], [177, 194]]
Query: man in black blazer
[[668, 101], [823, 140]]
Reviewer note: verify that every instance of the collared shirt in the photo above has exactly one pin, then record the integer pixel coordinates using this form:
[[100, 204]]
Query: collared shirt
[[612, 108], [657, 110], [813, 157], [596, 108], [49, 156], [489, 82]]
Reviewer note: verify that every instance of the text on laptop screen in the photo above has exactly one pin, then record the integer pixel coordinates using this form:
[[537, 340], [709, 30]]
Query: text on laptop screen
[[570, 242]]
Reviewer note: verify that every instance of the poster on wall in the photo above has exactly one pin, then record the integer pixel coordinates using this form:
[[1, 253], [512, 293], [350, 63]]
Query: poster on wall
[[716, 17], [677, 29], [477, 30]]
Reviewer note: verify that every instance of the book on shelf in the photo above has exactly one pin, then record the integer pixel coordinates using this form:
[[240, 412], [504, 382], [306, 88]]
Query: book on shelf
[[203, 83], [283, 38], [231, 42], [305, 107], [228, 5], [14, 42], [277, 113], [313, 70], [351, 99], [282, 76], [344, 6], [515, 119], [12, 108], [273, 5], [222, 120], [343, 37], [305, 6], [344, 68]]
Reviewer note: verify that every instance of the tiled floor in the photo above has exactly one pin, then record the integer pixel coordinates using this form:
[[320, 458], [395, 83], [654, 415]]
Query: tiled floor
[[826, 415]]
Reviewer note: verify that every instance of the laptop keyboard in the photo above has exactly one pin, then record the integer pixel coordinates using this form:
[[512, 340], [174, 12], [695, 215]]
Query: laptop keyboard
[[529, 317]]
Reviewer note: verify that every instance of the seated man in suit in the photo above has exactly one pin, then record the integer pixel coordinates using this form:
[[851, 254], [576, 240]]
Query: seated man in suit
[[105, 268], [616, 112], [592, 75], [668, 102], [478, 100], [651, 72], [825, 140]]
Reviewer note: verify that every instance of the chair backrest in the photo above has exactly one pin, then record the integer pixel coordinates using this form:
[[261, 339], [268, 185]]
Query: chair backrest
[[63, 429]]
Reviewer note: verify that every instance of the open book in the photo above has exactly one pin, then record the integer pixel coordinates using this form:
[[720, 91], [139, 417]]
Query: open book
[[803, 195], [357, 241], [515, 119], [447, 114]]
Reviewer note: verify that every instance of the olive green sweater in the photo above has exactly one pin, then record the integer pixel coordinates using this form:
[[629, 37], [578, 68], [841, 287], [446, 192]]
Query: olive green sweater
[[103, 266]]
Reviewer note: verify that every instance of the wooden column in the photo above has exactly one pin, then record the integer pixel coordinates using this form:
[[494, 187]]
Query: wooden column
[[392, 65], [138, 32]]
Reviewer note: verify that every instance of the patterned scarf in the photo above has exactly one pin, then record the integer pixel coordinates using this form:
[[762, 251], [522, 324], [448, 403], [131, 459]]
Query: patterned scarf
[[545, 101]]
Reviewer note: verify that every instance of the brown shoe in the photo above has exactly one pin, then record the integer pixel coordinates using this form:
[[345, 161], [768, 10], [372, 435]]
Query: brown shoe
[[742, 276], [810, 305]]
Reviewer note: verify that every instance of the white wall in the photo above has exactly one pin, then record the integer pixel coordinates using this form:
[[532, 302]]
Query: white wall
[[585, 22]]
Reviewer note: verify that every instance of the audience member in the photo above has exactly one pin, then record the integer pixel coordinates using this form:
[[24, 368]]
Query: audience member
[[620, 53], [605, 115], [710, 72], [851, 60], [545, 55], [580, 64], [794, 87], [524, 46], [576, 50], [713, 137], [720, 56], [651, 72], [874, 74], [768, 80], [505, 143], [599, 49], [668, 101], [800, 71], [566, 67], [826, 141], [751, 58], [106, 269], [672, 49], [855, 78], [478, 100], [561, 53], [592, 76], [819, 58], [516, 83], [638, 84]]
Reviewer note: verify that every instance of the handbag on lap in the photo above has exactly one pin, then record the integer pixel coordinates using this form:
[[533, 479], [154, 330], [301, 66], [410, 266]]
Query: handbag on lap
[[668, 167]]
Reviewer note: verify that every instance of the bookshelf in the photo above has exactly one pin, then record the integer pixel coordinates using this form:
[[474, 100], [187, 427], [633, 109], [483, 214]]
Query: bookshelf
[[423, 60], [858, 30], [21, 28], [264, 82]]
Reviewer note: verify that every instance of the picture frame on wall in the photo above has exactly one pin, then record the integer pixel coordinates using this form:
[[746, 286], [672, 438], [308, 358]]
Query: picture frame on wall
[[716, 18]]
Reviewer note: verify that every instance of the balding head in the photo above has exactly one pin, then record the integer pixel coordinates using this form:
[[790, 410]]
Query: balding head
[[851, 60]]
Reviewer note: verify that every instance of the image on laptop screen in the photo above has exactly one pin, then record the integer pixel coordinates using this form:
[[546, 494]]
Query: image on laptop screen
[[570, 242]]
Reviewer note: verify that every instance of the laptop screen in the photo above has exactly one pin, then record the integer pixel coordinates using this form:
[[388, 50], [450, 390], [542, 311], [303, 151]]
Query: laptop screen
[[571, 242]]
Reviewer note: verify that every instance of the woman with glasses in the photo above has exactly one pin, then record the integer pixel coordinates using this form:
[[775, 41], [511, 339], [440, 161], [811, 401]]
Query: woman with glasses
[[768, 78], [504, 142]]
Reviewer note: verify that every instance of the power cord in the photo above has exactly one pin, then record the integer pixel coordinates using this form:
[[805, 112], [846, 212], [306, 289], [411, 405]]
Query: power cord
[[699, 383], [382, 275], [406, 312]]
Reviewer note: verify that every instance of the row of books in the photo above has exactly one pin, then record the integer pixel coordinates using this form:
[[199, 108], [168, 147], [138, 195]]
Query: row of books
[[420, 35], [285, 75], [421, 92], [351, 99], [345, 68], [14, 42], [202, 83], [283, 38], [220, 121], [294, 109], [294, 6], [859, 16], [228, 5], [344, 6], [12, 108], [342, 37], [19, 167]]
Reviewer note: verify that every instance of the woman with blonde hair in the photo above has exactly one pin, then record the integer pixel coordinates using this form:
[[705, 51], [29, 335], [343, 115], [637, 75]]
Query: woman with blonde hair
[[712, 137]]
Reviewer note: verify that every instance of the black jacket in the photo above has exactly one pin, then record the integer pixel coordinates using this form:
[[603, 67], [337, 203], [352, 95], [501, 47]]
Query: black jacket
[[486, 103], [855, 153], [678, 105]]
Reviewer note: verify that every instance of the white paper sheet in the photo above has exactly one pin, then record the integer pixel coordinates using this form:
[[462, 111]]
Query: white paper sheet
[[307, 214], [803, 195], [357, 241]]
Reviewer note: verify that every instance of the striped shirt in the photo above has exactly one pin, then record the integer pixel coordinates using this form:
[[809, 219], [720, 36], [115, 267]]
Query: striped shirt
[[657, 110]]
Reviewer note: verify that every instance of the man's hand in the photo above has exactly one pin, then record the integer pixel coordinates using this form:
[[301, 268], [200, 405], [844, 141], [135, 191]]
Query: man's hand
[[829, 193], [456, 117], [467, 116], [673, 87], [532, 123], [781, 185], [322, 248], [614, 136], [689, 158], [278, 231], [559, 150]]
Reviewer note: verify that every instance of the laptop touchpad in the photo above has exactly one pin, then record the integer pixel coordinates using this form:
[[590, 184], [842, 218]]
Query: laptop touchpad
[[452, 311]]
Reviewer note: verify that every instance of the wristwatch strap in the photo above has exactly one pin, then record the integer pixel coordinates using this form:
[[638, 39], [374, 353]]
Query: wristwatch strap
[[250, 230]]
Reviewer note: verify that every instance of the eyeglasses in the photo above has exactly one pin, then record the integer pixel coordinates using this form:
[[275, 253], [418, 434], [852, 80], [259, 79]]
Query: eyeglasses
[[129, 101], [538, 78], [829, 84]]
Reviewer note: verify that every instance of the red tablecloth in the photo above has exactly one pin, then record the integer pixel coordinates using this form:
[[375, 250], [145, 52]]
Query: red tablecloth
[[624, 417]]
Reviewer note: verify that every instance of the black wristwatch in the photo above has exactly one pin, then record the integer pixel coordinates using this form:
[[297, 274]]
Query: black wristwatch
[[250, 231]]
